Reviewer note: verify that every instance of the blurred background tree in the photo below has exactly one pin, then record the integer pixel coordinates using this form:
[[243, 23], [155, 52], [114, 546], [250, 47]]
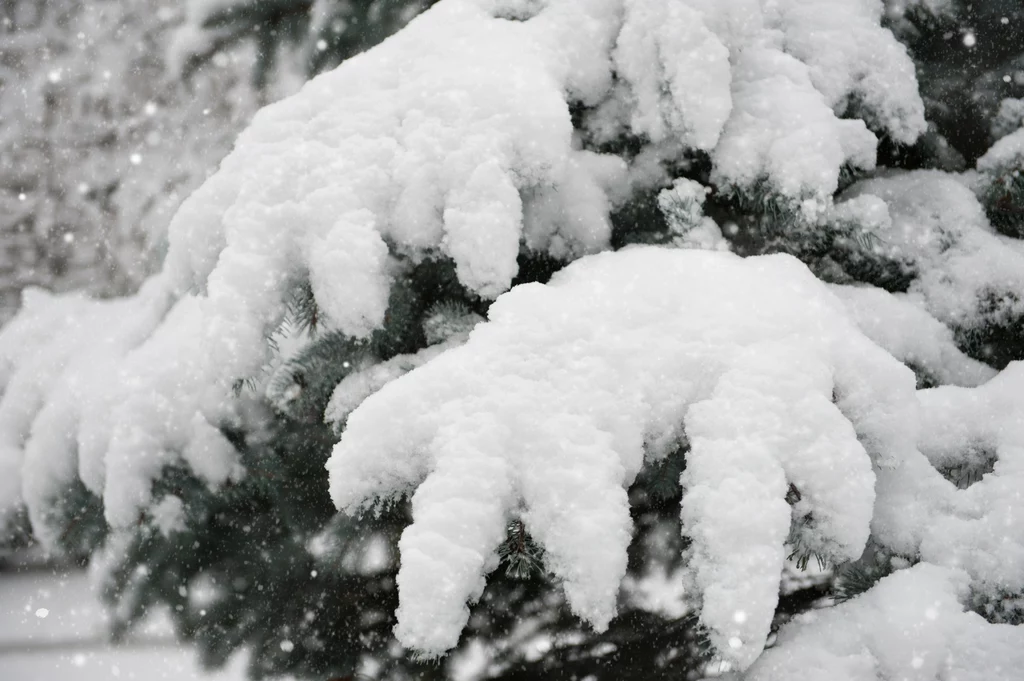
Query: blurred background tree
[[100, 142], [294, 39]]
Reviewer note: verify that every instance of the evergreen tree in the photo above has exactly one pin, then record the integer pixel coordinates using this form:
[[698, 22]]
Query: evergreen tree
[[744, 401]]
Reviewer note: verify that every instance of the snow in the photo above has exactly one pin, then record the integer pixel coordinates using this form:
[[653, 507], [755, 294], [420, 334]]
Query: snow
[[1007, 153], [783, 111], [678, 71], [453, 137], [547, 409], [682, 204], [984, 533], [169, 515], [911, 626], [796, 67], [359, 385], [911, 335], [940, 231], [657, 590], [54, 354], [855, 63]]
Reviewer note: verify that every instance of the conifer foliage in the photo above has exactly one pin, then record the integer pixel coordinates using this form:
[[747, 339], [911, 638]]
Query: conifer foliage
[[562, 338]]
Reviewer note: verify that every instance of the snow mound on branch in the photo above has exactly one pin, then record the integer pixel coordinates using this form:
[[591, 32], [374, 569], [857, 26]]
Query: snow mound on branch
[[910, 627], [1009, 119], [1006, 154], [422, 148], [751, 82], [453, 138], [911, 335], [797, 67], [855, 63], [550, 408], [679, 71], [963, 271], [979, 431], [783, 111], [56, 358]]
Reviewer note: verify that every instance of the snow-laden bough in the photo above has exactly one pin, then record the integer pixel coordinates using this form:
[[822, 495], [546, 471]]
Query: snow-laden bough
[[451, 139], [550, 408], [910, 627]]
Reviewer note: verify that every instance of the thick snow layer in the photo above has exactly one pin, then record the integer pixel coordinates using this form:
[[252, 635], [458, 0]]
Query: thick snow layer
[[60, 363], [910, 627], [679, 72], [797, 66], [783, 111], [1007, 153], [550, 408], [963, 271], [855, 63], [453, 137], [984, 532], [911, 335]]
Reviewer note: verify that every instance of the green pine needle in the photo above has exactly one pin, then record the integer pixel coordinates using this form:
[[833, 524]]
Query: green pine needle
[[965, 475], [1004, 202], [519, 553], [663, 477], [802, 555], [303, 309], [854, 579]]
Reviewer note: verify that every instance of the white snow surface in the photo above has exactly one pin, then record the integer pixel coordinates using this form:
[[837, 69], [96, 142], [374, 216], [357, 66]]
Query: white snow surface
[[452, 137], [58, 355], [962, 268], [1008, 152], [983, 533], [910, 627], [549, 408], [911, 335]]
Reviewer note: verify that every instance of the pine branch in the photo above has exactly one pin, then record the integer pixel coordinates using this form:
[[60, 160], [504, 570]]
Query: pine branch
[[801, 553], [519, 553], [448, 318], [1004, 202], [303, 310], [856, 577], [965, 474], [662, 478]]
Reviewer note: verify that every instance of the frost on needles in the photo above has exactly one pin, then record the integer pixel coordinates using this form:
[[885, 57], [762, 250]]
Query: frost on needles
[[488, 131]]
